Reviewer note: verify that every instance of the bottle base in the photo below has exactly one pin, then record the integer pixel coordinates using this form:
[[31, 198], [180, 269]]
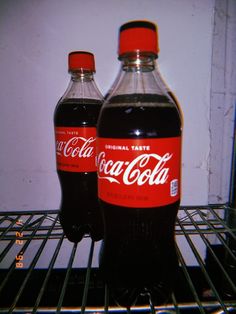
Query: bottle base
[[140, 280], [128, 297], [75, 232]]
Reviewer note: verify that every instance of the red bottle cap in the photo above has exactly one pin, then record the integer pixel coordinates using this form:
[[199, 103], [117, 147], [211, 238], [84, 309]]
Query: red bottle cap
[[81, 60], [139, 36]]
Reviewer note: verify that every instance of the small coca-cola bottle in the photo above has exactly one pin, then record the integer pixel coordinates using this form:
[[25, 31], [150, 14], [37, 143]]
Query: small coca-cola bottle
[[139, 157], [75, 121]]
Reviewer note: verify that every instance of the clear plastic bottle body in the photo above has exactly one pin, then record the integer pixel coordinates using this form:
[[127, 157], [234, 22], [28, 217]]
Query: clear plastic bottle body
[[75, 121], [138, 255]]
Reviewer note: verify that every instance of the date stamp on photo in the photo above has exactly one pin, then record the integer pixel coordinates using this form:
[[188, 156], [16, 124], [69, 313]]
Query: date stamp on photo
[[20, 256]]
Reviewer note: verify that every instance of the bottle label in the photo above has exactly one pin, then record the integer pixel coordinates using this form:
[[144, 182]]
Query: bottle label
[[76, 149], [139, 172]]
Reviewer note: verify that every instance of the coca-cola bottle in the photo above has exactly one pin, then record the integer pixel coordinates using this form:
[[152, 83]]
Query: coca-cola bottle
[[75, 120], [139, 158]]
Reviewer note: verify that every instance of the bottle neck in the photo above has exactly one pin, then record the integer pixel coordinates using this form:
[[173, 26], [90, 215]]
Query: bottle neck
[[138, 62], [82, 86], [138, 75], [81, 76]]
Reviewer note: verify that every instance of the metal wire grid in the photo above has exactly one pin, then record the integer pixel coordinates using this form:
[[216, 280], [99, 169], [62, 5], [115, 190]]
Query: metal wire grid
[[203, 224]]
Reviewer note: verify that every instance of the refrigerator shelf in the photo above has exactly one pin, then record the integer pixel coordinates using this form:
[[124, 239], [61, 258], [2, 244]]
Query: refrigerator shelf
[[36, 277]]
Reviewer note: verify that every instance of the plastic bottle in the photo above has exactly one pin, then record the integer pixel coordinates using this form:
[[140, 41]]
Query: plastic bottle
[[139, 158], [75, 120]]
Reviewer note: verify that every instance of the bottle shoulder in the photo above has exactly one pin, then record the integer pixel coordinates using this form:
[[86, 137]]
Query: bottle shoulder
[[82, 88], [139, 115], [77, 112]]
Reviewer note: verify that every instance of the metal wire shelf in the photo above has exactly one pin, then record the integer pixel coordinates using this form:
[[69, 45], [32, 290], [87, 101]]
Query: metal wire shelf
[[28, 238]]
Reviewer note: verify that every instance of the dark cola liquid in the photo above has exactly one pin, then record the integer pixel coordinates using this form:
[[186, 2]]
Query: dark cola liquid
[[138, 258], [79, 210]]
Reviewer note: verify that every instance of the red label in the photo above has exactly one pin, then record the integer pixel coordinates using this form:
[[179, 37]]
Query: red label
[[76, 149], [139, 172]]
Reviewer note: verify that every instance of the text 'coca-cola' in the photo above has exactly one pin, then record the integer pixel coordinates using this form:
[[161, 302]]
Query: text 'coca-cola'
[[139, 172], [76, 149]]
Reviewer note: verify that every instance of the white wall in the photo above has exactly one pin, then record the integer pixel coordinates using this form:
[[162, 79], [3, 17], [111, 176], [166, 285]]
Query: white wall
[[36, 37]]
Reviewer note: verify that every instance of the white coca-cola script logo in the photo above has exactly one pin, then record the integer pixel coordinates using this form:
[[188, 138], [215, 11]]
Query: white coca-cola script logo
[[135, 171], [76, 147]]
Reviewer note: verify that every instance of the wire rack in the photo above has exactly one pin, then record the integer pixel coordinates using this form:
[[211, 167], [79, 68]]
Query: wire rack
[[42, 272]]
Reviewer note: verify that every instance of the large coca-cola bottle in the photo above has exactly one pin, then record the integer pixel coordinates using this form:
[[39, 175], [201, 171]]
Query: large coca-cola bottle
[[139, 158], [75, 120]]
